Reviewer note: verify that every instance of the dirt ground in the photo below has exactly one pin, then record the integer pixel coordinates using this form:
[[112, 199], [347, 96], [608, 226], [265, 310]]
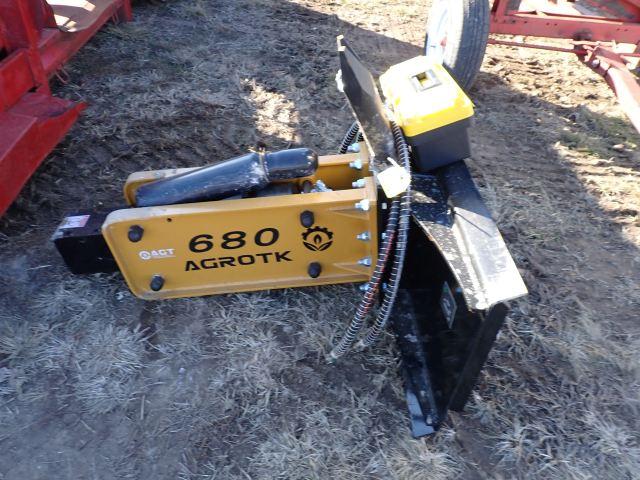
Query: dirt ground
[[96, 384]]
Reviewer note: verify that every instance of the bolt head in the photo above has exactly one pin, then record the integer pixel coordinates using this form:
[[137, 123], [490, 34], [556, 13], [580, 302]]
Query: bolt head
[[363, 205], [307, 218], [135, 233], [314, 270], [356, 164], [157, 282], [366, 261]]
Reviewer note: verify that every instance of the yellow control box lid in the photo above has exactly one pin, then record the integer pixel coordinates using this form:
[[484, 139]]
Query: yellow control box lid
[[424, 96]]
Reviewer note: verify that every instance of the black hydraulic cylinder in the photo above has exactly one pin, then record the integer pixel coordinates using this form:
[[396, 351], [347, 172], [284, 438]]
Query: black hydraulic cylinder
[[239, 175]]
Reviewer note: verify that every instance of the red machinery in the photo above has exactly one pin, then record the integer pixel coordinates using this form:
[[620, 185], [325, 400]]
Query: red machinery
[[605, 34], [36, 38]]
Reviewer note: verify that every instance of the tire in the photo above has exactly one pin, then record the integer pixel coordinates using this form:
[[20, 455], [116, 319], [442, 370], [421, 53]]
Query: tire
[[459, 33]]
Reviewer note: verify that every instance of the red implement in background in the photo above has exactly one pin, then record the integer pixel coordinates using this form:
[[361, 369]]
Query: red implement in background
[[605, 36], [36, 38]]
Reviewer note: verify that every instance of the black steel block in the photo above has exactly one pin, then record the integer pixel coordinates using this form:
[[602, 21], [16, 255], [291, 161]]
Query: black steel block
[[80, 242], [440, 147]]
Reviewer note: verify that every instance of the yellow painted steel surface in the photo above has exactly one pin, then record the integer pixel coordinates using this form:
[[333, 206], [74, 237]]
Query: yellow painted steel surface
[[424, 96], [249, 244]]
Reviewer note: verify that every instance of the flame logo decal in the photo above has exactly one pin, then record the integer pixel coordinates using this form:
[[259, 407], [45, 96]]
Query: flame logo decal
[[317, 239]]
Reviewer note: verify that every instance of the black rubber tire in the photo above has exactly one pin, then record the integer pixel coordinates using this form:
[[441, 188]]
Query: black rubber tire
[[467, 36]]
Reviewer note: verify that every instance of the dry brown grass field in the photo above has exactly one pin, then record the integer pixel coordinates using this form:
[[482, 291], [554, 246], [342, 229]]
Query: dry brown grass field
[[96, 384]]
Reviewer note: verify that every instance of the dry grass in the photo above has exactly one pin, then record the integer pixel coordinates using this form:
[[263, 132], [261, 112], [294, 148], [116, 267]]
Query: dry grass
[[97, 384]]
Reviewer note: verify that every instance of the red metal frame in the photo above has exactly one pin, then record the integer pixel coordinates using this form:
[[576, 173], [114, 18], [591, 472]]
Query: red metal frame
[[617, 20], [613, 67], [32, 50], [595, 27]]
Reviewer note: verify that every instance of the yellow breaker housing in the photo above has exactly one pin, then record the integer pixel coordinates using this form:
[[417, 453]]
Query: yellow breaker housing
[[248, 244]]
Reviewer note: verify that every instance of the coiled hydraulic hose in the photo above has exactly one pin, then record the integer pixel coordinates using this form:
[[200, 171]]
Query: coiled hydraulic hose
[[353, 134], [401, 247], [397, 223], [369, 297]]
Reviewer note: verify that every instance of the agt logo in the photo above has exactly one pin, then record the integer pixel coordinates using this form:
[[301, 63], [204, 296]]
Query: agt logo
[[160, 253]]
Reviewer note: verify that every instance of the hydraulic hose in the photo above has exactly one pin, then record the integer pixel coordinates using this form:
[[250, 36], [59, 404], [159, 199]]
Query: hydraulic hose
[[391, 292], [396, 214], [353, 134], [369, 297]]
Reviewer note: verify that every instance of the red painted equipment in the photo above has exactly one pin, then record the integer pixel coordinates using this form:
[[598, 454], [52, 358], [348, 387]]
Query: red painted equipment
[[36, 38], [590, 20], [605, 36]]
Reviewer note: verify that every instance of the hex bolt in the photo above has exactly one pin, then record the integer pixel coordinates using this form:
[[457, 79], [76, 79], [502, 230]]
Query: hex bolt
[[356, 164], [366, 261], [135, 233], [314, 270], [307, 186], [339, 82], [157, 282], [358, 183], [353, 148], [307, 218], [362, 205], [364, 236]]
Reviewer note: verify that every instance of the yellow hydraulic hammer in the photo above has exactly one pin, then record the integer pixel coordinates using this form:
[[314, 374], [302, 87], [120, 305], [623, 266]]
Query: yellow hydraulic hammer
[[396, 210]]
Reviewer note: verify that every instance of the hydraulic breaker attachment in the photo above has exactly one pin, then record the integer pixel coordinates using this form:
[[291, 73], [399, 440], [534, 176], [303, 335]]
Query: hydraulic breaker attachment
[[275, 237], [436, 266], [245, 244]]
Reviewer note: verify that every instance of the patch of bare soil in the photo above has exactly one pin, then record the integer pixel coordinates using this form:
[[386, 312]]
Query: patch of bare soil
[[95, 383]]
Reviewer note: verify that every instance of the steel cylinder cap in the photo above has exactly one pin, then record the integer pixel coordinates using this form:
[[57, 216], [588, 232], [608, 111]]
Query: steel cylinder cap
[[291, 163]]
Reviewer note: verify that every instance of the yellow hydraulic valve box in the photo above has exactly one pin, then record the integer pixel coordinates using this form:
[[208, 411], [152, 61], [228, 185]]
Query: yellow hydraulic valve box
[[431, 109]]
